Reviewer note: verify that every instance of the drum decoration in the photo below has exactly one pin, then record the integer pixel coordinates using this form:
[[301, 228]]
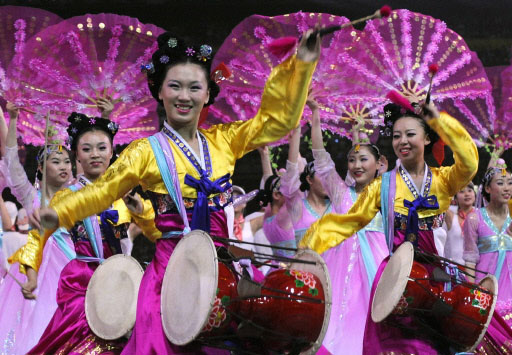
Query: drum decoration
[[459, 314]]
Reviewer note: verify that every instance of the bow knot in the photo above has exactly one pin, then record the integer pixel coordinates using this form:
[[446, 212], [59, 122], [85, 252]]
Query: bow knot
[[420, 203], [205, 187]]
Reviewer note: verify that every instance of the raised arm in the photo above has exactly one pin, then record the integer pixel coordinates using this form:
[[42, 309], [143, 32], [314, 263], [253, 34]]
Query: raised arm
[[20, 186], [266, 165], [332, 229], [3, 133]]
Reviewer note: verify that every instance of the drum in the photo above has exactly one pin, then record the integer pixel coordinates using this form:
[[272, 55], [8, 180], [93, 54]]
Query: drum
[[197, 290], [292, 313], [459, 314], [111, 297]]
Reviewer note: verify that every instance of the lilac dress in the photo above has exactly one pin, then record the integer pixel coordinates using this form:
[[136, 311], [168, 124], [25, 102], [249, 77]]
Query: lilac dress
[[491, 250], [22, 322], [352, 265], [279, 231]]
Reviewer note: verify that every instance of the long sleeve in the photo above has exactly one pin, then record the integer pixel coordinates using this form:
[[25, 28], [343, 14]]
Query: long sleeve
[[20, 186], [31, 254], [470, 234], [332, 229], [325, 169], [290, 188], [464, 150], [282, 104]]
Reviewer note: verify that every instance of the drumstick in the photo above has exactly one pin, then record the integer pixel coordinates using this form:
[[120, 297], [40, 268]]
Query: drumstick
[[225, 240]]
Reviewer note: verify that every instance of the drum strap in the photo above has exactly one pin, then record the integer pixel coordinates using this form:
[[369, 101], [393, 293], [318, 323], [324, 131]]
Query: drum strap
[[387, 205], [366, 251], [92, 228], [167, 167]]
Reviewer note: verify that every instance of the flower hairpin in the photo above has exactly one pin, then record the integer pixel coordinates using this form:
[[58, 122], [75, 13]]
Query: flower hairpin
[[205, 52], [172, 42], [190, 51], [164, 59]]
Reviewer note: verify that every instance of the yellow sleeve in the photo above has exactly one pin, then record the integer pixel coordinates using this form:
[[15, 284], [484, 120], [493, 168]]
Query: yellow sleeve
[[146, 221], [282, 104], [123, 175], [464, 151], [31, 254], [332, 229]]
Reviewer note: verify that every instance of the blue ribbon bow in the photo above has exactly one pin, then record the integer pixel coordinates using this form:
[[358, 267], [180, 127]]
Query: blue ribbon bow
[[106, 218], [205, 187], [420, 203]]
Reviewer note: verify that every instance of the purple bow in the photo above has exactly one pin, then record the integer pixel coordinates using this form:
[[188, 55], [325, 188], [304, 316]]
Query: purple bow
[[205, 187], [422, 202], [107, 218]]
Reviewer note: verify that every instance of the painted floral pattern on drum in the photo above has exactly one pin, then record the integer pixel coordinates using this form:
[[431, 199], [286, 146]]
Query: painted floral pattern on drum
[[217, 316], [482, 300], [403, 304], [304, 278]]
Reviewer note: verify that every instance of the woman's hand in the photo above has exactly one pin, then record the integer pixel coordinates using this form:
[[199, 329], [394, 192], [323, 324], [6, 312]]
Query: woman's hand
[[13, 110], [428, 111], [28, 287], [134, 203], [44, 218], [106, 106], [309, 51]]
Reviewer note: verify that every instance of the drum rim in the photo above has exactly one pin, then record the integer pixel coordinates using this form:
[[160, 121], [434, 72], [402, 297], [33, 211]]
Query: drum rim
[[408, 250], [188, 339], [491, 312], [327, 293], [125, 330]]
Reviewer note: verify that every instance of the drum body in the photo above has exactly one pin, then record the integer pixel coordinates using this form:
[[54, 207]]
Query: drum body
[[460, 313], [197, 291], [111, 297]]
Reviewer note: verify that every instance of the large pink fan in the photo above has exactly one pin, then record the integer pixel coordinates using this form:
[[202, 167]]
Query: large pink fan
[[17, 25], [249, 52], [71, 65]]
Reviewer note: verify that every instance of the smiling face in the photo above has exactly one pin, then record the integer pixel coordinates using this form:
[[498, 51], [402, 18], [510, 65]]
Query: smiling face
[[58, 168], [184, 92], [466, 198], [409, 139], [94, 151], [500, 188], [362, 165]]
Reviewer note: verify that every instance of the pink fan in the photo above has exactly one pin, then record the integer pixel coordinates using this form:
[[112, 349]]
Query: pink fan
[[17, 25], [71, 65], [250, 54]]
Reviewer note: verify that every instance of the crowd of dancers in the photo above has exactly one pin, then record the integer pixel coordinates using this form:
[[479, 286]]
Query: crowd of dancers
[[397, 257]]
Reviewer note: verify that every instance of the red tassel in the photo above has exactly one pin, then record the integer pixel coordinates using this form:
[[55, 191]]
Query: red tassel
[[400, 100], [385, 11], [433, 68], [282, 46], [438, 151], [202, 116]]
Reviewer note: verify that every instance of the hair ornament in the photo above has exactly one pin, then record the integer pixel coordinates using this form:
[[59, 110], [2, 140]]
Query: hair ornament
[[164, 59], [148, 68], [172, 42], [190, 51], [205, 52]]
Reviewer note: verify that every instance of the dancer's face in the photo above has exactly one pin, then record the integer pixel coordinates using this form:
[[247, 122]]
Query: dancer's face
[[58, 168], [362, 165], [184, 92], [94, 151], [315, 186], [500, 188], [409, 140], [466, 197]]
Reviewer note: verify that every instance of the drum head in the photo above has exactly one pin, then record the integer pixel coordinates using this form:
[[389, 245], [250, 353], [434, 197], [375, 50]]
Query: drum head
[[490, 283], [189, 287], [111, 297], [392, 283], [319, 270]]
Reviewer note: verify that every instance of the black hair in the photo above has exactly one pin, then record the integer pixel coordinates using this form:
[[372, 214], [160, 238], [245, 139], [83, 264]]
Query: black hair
[[393, 113], [264, 196], [309, 170], [489, 174], [79, 124], [173, 51]]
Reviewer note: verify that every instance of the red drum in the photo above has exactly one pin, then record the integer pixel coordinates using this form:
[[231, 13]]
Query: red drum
[[292, 312], [197, 291], [461, 316]]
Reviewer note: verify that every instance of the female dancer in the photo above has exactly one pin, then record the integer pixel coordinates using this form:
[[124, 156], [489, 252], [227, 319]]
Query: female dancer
[[486, 242], [395, 193], [183, 160], [352, 265], [23, 322], [454, 223], [68, 332]]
